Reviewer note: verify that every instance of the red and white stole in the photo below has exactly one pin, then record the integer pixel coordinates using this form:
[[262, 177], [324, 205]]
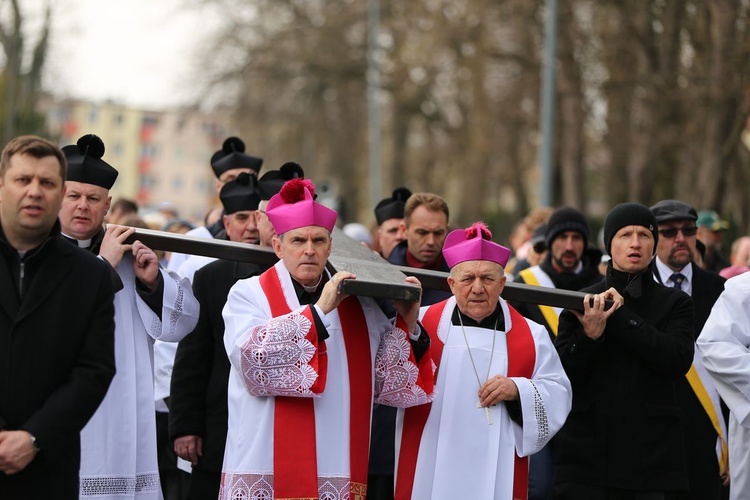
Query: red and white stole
[[294, 454], [521, 361]]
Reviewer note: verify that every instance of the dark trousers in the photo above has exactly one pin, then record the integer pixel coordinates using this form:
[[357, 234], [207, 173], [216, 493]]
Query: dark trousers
[[541, 474], [204, 484], [578, 491], [379, 487], [174, 482]]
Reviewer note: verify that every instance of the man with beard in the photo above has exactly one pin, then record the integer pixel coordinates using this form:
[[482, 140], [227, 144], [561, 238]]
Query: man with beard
[[703, 425], [569, 265]]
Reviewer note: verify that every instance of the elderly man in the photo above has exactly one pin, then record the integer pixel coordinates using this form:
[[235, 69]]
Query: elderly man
[[303, 359], [623, 438], [703, 425], [56, 329], [151, 304], [501, 390], [724, 346]]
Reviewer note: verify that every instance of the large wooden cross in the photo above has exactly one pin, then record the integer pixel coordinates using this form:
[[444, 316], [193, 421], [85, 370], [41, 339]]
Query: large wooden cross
[[376, 277]]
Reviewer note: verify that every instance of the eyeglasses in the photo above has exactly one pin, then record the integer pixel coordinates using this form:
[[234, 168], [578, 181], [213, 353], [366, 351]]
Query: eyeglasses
[[672, 231]]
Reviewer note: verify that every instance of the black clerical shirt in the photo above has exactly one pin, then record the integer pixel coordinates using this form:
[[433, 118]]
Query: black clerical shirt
[[488, 323]]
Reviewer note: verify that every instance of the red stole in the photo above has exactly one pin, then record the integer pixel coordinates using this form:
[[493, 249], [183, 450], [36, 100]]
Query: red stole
[[521, 361], [294, 454]]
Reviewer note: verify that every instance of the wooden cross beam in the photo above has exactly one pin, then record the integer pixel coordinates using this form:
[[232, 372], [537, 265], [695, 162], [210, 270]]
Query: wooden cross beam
[[376, 277]]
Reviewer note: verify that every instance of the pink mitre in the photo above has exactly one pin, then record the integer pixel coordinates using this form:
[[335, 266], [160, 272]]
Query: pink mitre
[[293, 207], [473, 243]]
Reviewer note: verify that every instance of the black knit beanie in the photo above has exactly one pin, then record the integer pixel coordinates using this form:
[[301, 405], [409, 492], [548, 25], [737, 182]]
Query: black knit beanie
[[628, 214], [566, 219]]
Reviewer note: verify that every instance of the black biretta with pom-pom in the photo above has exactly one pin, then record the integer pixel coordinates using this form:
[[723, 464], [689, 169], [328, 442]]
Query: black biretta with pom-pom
[[240, 194], [393, 207], [85, 162], [270, 183], [232, 155]]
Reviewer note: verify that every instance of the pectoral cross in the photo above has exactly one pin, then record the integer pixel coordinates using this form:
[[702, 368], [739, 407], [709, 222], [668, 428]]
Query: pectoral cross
[[486, 411]]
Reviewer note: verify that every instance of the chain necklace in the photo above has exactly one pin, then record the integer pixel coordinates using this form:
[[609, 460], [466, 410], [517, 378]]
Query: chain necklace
[[473, 364]]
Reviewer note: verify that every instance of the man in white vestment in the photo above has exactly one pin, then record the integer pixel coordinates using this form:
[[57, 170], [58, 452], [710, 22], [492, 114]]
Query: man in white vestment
[[501, 390], [724, 345], [307, 361], [118, 445]]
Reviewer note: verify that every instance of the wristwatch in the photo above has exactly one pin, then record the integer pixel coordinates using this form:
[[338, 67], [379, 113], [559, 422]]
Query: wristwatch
[[33, 442]]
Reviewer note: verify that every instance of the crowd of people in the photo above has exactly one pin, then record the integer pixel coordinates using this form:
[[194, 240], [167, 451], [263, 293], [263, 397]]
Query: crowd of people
[[131, 373]]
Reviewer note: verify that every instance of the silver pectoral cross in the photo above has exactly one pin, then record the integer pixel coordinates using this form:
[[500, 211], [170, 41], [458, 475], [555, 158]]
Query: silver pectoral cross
[[486, 411]]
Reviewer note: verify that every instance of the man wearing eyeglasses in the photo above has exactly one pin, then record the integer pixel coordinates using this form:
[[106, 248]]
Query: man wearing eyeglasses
[[703, 425]]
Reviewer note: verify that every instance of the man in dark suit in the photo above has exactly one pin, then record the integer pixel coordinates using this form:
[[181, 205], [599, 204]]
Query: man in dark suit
[[56, 329], [703, 425], [198, 393]]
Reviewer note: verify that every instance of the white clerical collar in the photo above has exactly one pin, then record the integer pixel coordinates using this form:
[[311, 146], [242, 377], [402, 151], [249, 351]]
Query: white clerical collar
[[81, 243], [311, 289]]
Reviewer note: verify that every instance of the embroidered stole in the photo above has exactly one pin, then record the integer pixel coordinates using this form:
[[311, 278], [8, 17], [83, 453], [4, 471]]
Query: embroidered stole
[[521, 362], [294, 454], [551, 314]]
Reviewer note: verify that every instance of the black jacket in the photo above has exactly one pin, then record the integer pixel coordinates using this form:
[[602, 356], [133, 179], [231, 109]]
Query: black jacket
[[56, 357], [625, 427], [429, 296], [198, 394], [588, 276], [699, 432]]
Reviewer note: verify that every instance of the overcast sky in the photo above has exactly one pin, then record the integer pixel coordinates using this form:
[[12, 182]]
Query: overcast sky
[[140, 52]]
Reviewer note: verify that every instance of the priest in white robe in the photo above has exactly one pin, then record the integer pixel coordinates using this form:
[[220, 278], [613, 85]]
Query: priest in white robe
[[307, 362], [118, 445], [501, 390], [724, 346]]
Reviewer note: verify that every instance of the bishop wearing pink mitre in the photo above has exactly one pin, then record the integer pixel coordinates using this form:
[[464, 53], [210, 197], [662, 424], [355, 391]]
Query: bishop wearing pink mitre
[[307, 362], [501, 390]]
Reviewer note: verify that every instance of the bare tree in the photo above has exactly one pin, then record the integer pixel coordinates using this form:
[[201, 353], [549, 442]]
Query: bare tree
[[652, 98], [21, 88]]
